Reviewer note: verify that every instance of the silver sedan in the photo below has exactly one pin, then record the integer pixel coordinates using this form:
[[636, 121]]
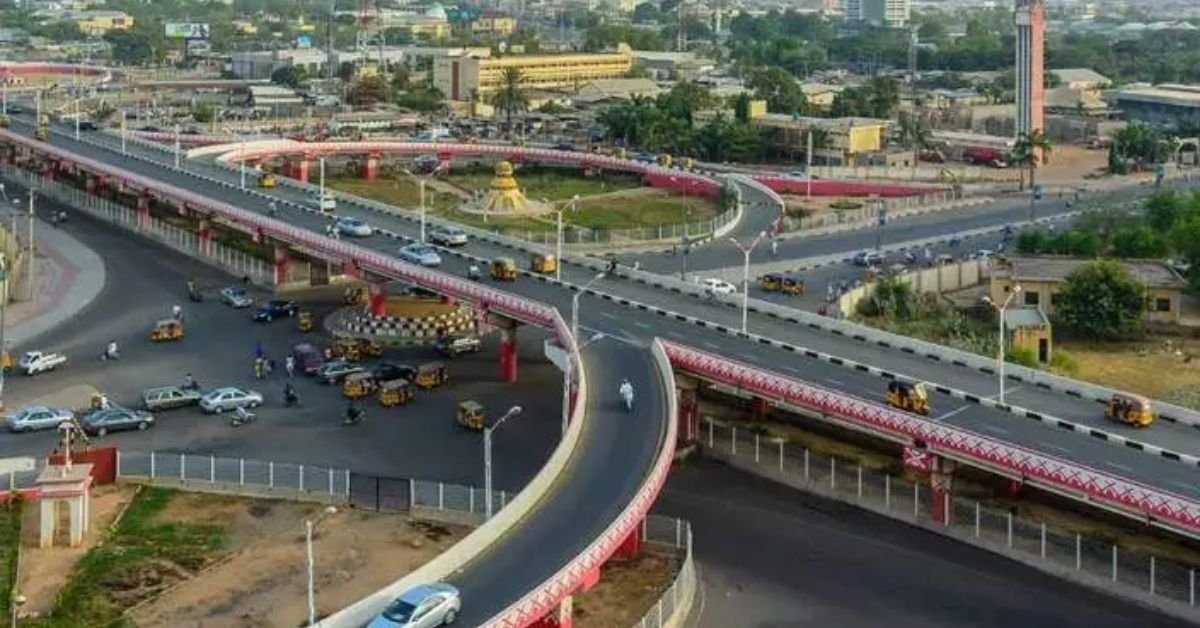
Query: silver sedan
[[38, 418]]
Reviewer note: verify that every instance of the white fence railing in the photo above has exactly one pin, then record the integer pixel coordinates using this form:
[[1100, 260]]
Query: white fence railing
[[676, 601], [226, 258], [1164, 583], [235, 475]]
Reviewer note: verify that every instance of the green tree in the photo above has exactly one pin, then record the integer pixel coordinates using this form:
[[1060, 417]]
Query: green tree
[[368, 90], [204, 112], [58, 31], [1138, 241], [132, 47], [914, 133], [779, 88], [1030, 150], [1164, 210], [741, 108], [646, 13], [292, 76], [510, 97], [883, 96], [400, 76], [685, 99], [1101, 300], [423, 99]]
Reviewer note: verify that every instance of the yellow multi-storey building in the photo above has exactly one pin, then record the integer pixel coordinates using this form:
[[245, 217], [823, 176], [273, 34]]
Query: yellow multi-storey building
[[97, 23], [495, 24], [461, 77]]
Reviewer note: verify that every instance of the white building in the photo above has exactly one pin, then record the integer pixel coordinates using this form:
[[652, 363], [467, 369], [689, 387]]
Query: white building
[[890, 13]]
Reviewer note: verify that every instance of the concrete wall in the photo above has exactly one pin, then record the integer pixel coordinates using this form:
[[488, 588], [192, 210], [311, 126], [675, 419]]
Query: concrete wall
[[939, 279]]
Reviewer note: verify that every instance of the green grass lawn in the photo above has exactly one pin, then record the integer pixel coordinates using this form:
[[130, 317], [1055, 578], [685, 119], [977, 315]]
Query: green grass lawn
[[555, 184], [141, 548], [640, 209], [10, 539]]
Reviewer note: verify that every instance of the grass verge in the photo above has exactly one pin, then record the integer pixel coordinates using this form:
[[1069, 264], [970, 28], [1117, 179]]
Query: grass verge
[[10, 541], [141, 556]]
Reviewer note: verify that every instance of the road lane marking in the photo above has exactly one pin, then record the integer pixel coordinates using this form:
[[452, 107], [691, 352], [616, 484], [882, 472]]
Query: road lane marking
[[835, 382], [995, 430], [608, 315], [952, 413], [641, 325], [1118, 466], [1061, 450], [712, 346]]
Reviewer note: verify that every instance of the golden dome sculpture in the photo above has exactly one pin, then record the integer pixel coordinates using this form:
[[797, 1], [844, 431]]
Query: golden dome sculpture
[[504, 195]]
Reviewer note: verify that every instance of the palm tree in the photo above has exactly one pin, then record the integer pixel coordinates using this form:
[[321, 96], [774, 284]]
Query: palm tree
[[914, 132], [510, 98], [1031, 149]]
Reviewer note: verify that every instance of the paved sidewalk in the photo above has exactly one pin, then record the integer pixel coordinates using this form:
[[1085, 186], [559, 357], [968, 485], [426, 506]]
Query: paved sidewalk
[[69, 277]]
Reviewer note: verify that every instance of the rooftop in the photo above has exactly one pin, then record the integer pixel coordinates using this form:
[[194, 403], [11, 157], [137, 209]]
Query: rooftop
[[1181, 95], [786, 121], [1154, 274], [1024, 317], [1079, 75]]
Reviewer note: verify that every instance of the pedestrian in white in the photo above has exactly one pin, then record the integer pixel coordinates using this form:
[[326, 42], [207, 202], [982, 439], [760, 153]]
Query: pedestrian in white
[[774, 247], [290, 365], [177, 312]]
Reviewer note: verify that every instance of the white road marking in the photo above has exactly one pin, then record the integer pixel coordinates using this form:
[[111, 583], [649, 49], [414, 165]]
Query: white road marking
[[1007, 391], [1119, 466], [746, 356], [1061, 450], [835, 382], [952, 413], [712, 346], [608, 315], [641, 325], [995, 430]]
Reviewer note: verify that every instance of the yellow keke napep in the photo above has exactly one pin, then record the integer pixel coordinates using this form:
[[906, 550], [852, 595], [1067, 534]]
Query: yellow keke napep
[[358, 385], [396, 392], [431, 375], [782, 282], [543, 263], [504, 269], [906, 396], [266, 180], [305, 322], [167, 329], [471, 415], [1130, 409]]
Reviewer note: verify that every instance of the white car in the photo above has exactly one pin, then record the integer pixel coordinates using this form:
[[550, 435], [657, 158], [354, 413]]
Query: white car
[[421, 254], [34, 362], [353, 227], [718, 287], [236, 298], [448, 236], [229, 398], [424, 606], [868, 258], [38, 418], [982, 254]]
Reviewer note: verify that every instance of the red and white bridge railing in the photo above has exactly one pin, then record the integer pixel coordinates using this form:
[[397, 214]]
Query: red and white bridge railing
[[1061, 476]]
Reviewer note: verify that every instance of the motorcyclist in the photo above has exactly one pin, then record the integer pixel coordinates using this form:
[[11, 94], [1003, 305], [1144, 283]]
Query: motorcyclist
[[189, 382], [354, 414], [271, 209], [111, 352], [473, 272], [242, 415], [104, 403], [177, 312], [289, 394], [290, 364], [626, 391]]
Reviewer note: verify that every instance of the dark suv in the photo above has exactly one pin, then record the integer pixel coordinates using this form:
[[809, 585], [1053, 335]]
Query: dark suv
[[386, 371], [274, 309]]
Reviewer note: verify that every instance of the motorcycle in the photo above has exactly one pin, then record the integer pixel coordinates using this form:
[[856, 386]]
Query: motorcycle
[[290, 398], [241, 417], [354, 416]]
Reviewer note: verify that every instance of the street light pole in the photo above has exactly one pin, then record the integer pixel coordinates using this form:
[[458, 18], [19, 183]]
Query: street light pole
[[575, 305], [421, 192], [125, 131], [178, 147], [487, 458], [1000, 309], [321, 176], [309, 526], [32, 263], [746, 251]]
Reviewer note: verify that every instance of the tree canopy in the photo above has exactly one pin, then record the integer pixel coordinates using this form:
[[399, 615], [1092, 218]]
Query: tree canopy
[[1101, 300]]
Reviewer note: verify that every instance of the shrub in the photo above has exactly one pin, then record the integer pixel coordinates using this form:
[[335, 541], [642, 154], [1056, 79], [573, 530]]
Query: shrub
[[1023, 356], [843, 203], [1063, 363]]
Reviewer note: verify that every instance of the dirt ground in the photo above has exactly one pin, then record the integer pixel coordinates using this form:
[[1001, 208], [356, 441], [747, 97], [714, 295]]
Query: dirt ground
[[44, 571], [1069, 164], [262, 583], [1166, 369], [627, 589]]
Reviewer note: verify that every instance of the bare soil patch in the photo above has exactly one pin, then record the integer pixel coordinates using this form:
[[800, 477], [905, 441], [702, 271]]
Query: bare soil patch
[[627, 590]]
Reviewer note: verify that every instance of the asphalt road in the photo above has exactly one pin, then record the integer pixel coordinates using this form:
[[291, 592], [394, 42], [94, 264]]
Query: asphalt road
[[773, 557], [593, 491], [621, 322], [418, 440]]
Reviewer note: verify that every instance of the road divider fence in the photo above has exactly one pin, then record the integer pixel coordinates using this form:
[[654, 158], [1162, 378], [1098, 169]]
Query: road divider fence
[[1120, 570]]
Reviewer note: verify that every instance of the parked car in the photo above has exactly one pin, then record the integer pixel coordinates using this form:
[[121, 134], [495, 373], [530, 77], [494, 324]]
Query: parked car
[[308, 359], [385, 371], [88, 125], [421, 254], [275, 308], [335, 371], [868, 258], [229, 398], [424, 606], [448, 235], [352, 227], [982, 254], [718, 287], [169, 398], [101, 422], [452, 346], [235, 298], [38, 418]]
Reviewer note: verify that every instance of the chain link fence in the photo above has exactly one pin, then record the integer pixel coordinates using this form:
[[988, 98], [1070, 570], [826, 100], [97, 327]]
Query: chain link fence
[[673, 534], [1162, 582], [187, 242]]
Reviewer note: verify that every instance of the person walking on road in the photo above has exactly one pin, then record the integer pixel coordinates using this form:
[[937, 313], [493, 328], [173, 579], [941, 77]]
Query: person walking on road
[[259, 352], [290, 365]]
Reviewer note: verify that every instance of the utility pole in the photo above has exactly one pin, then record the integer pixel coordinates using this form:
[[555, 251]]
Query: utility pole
[[32, 264]]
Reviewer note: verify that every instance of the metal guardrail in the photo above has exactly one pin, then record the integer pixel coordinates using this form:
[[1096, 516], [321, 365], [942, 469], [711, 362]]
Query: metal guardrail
[[676, 601], [250, 477], [1159, 580]]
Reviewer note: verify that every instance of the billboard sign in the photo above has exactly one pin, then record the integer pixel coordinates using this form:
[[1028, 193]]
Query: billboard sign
[[304, 41], [189, 30]]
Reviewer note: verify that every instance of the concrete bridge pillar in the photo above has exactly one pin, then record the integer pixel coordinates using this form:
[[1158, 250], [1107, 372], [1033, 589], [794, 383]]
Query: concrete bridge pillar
[[283, 265], [444, 160], [508, 354], [143, 211], [941, 479], [632, 544], [350, 269], [688, 409], [758, 409], [204, 233], [301, 169], [561, 617], [371, 166], [93, 184], [377, 299]]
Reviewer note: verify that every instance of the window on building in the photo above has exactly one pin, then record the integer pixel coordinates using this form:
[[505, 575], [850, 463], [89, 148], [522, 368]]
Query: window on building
[[1032, 298], [1054, 298], [1162, 305]]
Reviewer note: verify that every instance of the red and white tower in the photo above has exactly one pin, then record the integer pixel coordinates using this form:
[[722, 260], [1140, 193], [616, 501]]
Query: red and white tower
[[1031, 45]]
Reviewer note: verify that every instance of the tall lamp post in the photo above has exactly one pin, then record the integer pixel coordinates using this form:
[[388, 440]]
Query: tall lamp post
[[575, 304], [746, 251], [421, 196], [309, 525], [559, 247], [487, 457], [1000, 309]]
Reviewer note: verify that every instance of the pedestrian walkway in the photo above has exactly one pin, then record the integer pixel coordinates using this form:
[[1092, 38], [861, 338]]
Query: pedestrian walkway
[[68, 277]]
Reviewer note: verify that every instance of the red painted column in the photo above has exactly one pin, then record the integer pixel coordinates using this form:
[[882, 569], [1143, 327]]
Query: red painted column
[[561, 617], [143, 211], [204, 241], [689, 415], [377, 299], [508, 355], [371, 167], [758, 409], [350, 269], [941, 479], [92, 184], [632, 543], [283, 265], [302, 169]]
